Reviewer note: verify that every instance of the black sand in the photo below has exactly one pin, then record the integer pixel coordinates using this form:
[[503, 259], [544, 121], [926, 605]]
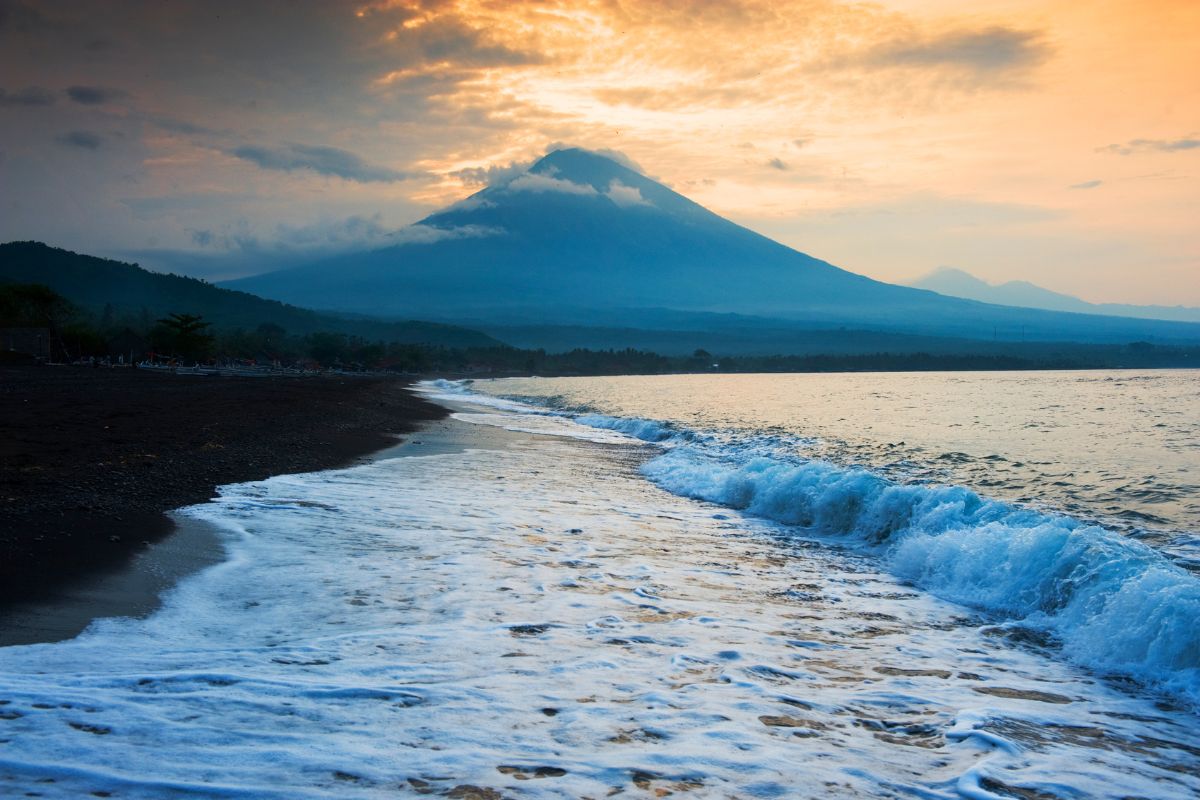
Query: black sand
[[91, 459]]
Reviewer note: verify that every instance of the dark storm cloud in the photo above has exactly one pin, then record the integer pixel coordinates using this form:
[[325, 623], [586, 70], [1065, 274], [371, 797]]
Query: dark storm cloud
[[1152, 146], [29, 97], [322, 160], [991, 50], [93, 95], [84, 139]]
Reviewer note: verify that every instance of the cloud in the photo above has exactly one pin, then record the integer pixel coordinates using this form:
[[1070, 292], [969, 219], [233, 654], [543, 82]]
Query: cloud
[[29, 97], [533, 182], [355, 232], [235, 250], [1152, 146], [84, 139], [493, 174], [503, 174], [204, 238], [323, 160], [778, 163], [428, 234], [994, 49], [181, 126], [626, 196], [184, 205], [1086, 185], [93, 95], [22, 18], [443, 37], [685, 96]]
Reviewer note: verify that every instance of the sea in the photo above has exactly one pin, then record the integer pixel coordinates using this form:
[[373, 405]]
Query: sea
[[925, 585]]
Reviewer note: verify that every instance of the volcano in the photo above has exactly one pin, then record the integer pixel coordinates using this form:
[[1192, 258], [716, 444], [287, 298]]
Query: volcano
[[580, 239]]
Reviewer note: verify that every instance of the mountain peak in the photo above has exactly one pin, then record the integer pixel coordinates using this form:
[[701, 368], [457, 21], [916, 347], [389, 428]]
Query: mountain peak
[[600, 181], [580, 157], [944, 278], [586, 168]]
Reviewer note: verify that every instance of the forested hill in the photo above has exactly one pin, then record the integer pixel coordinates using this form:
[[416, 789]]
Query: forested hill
[[114, 291]]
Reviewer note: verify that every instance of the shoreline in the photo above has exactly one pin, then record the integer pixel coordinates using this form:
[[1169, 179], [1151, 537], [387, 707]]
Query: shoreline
[[136, 586], [510, 606], [93, 462]]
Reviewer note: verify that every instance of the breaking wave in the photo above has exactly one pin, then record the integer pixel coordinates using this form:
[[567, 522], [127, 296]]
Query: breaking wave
[[1114, 605]]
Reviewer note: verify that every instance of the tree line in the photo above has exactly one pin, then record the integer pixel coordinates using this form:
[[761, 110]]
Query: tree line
[[75, 333]]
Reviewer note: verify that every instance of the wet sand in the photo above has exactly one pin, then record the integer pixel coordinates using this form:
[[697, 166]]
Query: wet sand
[[92, 461], [132, 588]]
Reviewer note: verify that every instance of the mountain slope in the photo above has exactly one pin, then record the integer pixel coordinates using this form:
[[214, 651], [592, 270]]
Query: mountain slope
[[579, 234], [958, 283], [97, 283]]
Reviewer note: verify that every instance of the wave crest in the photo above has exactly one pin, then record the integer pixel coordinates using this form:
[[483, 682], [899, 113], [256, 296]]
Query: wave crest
[[1116, 605]]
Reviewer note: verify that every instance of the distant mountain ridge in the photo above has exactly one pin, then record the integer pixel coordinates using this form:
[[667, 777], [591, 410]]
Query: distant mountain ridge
[[580, 236], [96, 283], [959, 283]]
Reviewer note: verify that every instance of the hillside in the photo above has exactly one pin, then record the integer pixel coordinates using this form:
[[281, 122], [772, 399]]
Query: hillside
[[117, 290]]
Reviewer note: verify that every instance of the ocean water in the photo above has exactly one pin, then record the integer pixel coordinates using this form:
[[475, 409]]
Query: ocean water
[[606, 595], [1121, 448], [1066, 501]]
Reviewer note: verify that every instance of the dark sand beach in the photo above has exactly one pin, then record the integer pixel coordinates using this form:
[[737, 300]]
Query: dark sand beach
[[92, 459]]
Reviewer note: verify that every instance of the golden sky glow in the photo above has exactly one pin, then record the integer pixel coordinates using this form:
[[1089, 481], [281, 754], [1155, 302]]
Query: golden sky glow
[[1057, 142]]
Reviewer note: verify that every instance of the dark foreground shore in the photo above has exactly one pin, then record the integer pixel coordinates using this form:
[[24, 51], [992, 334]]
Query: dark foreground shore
[[91, 459]]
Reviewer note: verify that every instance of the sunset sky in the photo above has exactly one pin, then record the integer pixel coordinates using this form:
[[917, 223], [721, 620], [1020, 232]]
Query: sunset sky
[[1054, 141]]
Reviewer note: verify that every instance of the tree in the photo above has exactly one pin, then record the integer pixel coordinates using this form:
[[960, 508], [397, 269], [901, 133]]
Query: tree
[[326, 348], [34, 305], [184, 334]]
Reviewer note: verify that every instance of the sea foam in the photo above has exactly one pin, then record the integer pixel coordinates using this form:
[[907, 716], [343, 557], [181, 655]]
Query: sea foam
[[1113, 604]]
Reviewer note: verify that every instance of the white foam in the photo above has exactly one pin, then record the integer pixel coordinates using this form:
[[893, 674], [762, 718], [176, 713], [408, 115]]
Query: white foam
[[541, 622], [647, 430], [1116, 605], [460, 392]]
